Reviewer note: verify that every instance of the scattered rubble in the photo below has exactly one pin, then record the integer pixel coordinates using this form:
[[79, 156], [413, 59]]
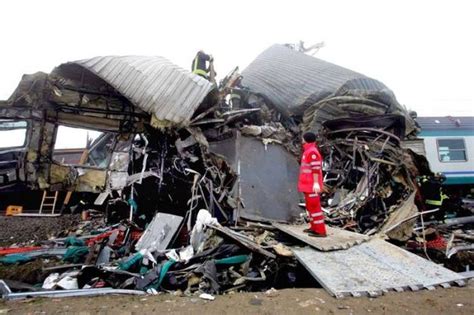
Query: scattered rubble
[[190, 189]]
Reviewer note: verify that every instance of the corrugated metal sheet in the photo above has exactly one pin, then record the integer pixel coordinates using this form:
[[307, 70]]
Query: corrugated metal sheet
[[446, 123], [372, 268], [291, 79], [153, 84]]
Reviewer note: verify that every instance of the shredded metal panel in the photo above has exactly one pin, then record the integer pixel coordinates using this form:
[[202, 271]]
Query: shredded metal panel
[[159, 232], [373, 268], [337, 239], [151, 83]]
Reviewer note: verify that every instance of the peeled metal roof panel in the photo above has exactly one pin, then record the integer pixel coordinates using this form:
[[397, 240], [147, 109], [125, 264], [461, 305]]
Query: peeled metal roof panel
[[289, 78], [284, 75], [152, 83]]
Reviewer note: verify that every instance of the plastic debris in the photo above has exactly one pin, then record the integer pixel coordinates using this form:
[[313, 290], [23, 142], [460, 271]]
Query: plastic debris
[[206, 296]]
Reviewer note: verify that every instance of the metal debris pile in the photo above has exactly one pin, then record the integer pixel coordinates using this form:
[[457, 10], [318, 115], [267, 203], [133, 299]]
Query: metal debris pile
[[449, 241], [366, 173], [173, 173], [187, 177]]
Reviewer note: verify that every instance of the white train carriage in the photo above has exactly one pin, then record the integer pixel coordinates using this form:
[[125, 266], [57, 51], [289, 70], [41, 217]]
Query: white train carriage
[[449, 147]]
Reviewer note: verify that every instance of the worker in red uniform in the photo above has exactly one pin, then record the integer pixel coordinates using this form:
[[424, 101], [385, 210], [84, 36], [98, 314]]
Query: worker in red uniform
[[311, 184]]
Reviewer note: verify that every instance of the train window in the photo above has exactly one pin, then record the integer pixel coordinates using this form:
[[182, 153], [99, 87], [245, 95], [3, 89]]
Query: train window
[[71, 143], [12, 133], [451, 150]]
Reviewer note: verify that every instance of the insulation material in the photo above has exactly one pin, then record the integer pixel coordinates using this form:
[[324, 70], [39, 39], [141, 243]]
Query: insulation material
[[91, 180]]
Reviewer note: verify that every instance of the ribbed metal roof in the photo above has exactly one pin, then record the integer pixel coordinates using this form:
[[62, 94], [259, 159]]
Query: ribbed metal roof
[[291, 79], [151, 83], [302, 85], [446, 123]]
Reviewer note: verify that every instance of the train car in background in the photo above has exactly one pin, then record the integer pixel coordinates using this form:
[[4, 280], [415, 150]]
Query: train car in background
[[449, 147]]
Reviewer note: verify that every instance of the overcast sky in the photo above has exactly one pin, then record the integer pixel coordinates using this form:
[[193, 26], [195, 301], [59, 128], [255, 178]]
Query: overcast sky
[[422, 50]]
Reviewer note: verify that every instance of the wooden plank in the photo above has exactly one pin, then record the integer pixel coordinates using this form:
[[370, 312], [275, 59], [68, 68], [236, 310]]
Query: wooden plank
[[241, 239], [82, 160], [337, 239]]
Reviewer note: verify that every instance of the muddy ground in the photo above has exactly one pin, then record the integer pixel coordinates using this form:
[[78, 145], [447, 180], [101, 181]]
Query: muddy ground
[[287, 301]]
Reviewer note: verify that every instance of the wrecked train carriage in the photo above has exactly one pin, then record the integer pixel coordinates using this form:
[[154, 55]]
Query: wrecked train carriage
[[120, 96], [167, 107]]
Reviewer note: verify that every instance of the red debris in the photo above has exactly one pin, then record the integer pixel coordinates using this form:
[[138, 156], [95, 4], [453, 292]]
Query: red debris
[[16, 250]]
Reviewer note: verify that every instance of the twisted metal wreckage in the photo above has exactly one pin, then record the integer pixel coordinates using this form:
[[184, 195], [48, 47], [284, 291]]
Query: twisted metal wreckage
[[174, 143]]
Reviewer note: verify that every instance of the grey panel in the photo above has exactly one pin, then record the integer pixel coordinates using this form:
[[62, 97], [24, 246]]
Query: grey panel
[[372, 268], [268, 176], [159, 232], [337, 238], [151, 83]]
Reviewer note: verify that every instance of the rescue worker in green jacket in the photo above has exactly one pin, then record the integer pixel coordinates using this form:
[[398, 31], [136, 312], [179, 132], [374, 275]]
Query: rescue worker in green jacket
[[201, 64], [235, 99], [235, 95], [432, 190]]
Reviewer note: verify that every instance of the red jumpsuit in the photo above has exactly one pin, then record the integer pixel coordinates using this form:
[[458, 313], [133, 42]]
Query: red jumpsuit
[[311, 163]]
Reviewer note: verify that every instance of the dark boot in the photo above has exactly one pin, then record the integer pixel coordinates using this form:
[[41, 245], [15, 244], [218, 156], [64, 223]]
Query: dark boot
[[314, 234]]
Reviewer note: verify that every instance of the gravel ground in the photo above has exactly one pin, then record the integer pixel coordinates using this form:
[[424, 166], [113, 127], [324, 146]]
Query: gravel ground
[[21, 230]]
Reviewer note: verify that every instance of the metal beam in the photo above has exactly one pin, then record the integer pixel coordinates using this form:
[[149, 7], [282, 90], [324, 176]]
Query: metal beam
[[8, 295]]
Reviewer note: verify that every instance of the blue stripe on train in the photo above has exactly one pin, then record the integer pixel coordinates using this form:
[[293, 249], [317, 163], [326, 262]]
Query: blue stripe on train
[[459, 180], [458, 172], [449, 133]]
